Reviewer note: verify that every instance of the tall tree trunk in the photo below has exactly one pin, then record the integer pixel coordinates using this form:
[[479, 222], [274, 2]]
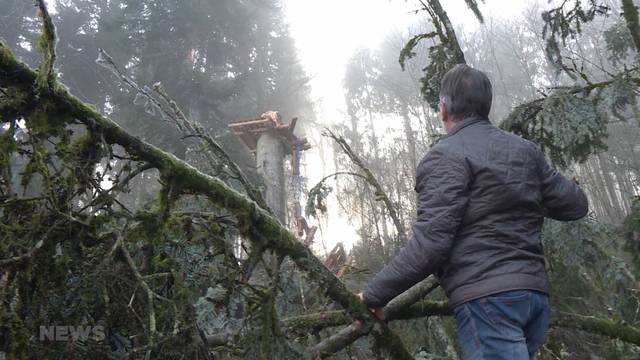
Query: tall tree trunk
[[612, 191], [411, 143], [270, 153]]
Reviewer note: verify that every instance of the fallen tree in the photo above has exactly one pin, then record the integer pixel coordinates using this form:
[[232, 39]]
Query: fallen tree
[[259, 226]]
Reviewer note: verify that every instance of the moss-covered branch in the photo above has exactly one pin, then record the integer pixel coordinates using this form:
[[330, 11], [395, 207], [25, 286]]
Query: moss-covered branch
[[394, 310], [190, 180], [404, 301], [334, 343], [424, 308], [473, 6], [47, 44], [605, 327], [449, 37], [304, 324]]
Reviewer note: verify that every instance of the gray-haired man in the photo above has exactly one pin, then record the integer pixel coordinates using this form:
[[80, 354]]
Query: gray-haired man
[[482, 195]]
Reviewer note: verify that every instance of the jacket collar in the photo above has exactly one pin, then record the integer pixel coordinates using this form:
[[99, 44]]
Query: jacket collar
[[463, 124]]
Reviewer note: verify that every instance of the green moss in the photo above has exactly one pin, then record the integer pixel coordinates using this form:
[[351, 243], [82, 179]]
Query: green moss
[[15, 336], [51, 271], [83, 155], [7, 147], [45, 120], [12, 101], [162, 262], [35, 165], [614, 329], [270, 336], [6, 56], [46, 44]]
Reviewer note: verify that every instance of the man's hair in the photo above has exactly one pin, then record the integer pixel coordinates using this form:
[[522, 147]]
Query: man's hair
[[466, 92]]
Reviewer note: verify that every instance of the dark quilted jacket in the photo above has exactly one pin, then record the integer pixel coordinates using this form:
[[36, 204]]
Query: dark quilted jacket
[[482, 195]]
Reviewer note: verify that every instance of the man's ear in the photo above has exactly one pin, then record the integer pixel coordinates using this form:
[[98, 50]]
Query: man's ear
[[444, 114]]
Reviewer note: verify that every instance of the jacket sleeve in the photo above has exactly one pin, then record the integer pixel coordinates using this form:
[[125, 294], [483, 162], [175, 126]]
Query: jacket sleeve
[[562, 199], [442, 187]]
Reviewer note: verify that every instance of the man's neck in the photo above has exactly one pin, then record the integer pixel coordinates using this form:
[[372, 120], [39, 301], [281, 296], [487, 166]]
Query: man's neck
[[449, 125], [452, 126]]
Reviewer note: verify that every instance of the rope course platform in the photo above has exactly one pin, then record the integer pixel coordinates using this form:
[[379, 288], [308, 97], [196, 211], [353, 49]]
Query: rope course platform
[[250, 130]]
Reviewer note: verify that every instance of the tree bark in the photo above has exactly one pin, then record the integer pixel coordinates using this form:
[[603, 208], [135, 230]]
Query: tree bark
[[270, 153]]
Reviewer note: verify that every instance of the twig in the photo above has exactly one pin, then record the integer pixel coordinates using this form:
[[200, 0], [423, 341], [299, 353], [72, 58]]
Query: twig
[[20, 259], [8, 202], [26, 257], [335, 174], [121, 183], [239, 175], [157, 275], [119, 246]]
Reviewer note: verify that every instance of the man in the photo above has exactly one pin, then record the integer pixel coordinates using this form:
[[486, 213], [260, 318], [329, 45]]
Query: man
[[482, 195]]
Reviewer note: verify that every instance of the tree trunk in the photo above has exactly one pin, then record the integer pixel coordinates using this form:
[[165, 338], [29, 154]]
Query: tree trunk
[[270, 153]]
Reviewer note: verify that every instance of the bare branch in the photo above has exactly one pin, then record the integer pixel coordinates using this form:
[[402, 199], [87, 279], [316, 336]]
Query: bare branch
[[337, 342], [151, 295], [135, 172], [379, 191], [188, 127]]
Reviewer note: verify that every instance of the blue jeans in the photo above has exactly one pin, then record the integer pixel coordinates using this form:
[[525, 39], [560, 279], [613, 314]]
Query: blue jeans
[[509, 325]]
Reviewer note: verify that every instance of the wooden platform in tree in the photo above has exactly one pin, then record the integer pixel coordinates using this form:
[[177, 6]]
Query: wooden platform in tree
[[250, 130]]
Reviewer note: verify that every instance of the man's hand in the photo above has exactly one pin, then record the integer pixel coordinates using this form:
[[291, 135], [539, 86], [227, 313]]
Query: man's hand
[[377, 312]]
